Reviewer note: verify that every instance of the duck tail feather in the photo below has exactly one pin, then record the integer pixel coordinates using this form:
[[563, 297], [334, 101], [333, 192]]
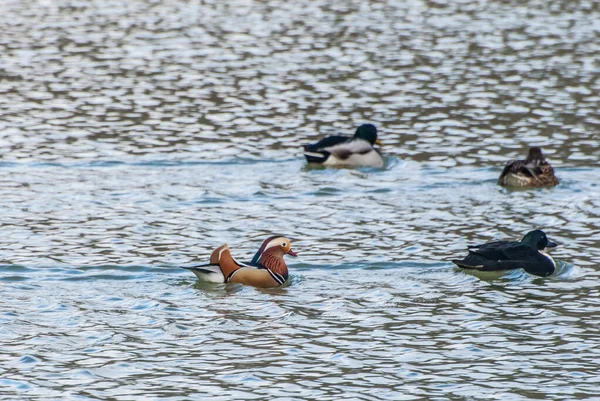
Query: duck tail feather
[[316, 157], [461, 263], [199, 269], [194, 267], [210, 273]]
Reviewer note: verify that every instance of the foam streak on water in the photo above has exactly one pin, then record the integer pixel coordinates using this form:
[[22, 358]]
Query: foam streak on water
[[137, 136]]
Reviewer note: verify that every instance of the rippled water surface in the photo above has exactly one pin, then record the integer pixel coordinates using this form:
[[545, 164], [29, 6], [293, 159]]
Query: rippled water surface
[[136, 136]]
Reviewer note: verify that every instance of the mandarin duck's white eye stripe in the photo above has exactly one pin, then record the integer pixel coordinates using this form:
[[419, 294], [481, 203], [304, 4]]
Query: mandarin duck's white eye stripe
[[274, 242]]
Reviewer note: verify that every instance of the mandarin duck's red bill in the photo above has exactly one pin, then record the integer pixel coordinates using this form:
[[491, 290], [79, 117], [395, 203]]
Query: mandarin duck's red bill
[[267, 268]]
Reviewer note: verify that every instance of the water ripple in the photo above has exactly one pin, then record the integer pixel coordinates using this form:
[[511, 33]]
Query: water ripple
[[137, 136]]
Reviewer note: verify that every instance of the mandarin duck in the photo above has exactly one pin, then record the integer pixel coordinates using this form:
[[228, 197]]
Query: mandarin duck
[[267, 268], [509, 255], [534, 171], [338, 150]]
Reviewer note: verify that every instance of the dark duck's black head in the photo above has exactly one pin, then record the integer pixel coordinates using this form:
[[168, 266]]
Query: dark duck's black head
[[537, 239], [367, 132], [535, 156]]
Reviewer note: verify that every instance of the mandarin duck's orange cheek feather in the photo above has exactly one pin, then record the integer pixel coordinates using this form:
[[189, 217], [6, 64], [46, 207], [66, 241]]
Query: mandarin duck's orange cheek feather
[[262, 248], [272, 259]]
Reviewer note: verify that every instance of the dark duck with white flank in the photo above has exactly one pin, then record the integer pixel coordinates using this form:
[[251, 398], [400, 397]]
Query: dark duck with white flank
[[267, 268], [509, 255], [534, 171], [340, 151]]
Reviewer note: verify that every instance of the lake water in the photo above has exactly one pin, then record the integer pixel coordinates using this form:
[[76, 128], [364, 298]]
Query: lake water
[[137, 136]]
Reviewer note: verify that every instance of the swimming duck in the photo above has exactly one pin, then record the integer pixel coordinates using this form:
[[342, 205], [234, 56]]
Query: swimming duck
[[267, 268], [534, 171], [508, 255], [338, 150]]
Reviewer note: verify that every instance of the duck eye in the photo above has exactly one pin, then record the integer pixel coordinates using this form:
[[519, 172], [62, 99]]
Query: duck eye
[[283, 244]]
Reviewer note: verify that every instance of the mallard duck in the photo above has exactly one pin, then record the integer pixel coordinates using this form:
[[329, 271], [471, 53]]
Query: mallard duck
[[267, 268], [508, 255], [534, 171], [341, 150]]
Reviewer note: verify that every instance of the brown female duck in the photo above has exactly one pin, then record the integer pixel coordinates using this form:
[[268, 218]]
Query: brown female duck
[[534, 171]]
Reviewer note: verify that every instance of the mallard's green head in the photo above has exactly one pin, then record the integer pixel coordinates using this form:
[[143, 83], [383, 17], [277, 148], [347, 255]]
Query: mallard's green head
[[538, 240], [368, 132]]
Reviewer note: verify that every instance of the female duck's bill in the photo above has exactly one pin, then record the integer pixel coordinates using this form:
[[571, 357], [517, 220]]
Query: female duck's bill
[[267, 268], [340, 151]]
